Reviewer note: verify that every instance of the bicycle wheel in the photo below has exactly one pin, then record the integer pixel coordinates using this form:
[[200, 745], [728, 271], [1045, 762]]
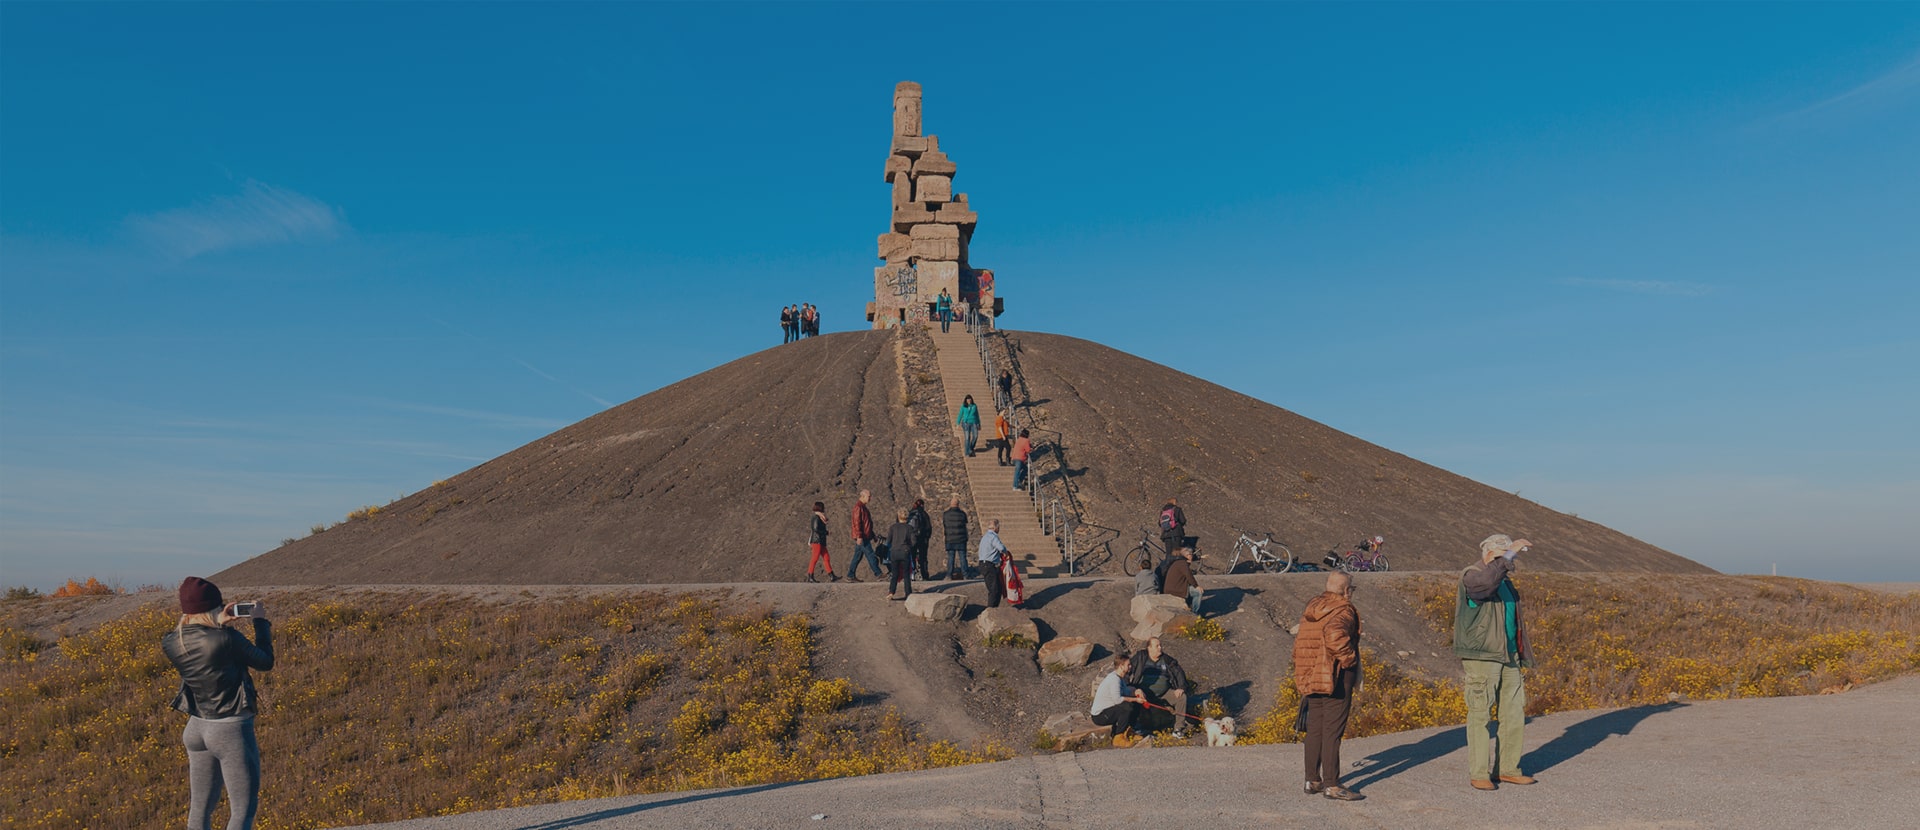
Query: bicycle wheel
[[1131, 562], [1380, 562], [1350, 563], [1280, 563]]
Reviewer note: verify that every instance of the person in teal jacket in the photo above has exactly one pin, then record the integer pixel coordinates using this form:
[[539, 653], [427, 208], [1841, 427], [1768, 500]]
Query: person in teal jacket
[[1491, 642], [944, 307], [969, 422]]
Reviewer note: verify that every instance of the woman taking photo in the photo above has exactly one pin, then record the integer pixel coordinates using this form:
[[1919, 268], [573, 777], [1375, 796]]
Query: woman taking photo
[[216, 693]]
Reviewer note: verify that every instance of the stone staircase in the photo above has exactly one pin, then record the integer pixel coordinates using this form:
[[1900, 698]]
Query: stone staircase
[[993, 494]]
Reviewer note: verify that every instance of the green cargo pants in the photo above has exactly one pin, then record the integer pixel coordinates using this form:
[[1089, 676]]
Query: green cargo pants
[[1489, 683]]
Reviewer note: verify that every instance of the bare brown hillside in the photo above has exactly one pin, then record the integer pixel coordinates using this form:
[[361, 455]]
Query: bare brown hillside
[[709, 479], [1136, 432]]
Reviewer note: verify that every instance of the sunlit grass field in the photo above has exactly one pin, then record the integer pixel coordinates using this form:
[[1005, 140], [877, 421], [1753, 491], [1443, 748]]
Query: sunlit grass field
[[393, 707], [1620, 640]]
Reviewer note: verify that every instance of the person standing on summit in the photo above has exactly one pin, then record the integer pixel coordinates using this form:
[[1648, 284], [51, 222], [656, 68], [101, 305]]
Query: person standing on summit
[[786, 325], [1491, 643]]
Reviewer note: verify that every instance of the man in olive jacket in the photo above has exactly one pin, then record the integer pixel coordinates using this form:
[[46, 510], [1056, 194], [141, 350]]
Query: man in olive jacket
[[1491, 643]]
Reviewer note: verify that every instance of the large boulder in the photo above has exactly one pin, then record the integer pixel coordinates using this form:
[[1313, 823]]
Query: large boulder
[[1144, 603], [1066, 652], [936, 607], [994, 622], [1159, 621]]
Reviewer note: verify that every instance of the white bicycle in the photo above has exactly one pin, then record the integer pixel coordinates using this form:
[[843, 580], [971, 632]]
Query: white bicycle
[[1265, 554]]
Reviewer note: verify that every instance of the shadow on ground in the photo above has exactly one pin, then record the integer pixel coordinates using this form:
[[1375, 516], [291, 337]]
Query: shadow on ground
[[589, 818], [1588, 734]]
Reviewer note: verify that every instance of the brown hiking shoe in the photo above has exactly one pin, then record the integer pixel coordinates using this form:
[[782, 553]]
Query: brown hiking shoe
[[1482, 784], [1517, 778]]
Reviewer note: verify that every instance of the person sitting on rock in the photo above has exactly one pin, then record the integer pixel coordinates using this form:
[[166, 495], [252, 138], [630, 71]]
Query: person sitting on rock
[[1145, 581], [1179, 581], [1116, 705], [1160, 677]]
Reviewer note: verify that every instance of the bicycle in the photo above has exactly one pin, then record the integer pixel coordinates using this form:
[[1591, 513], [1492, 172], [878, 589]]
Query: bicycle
[[1149, 550], [1262, 554], [1146, 551], [1366, 556]]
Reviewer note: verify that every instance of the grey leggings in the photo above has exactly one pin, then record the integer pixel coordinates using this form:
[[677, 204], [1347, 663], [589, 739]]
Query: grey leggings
[[222, 753]]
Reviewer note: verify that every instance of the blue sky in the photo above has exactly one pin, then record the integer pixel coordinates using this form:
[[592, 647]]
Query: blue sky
[[1652, 264]]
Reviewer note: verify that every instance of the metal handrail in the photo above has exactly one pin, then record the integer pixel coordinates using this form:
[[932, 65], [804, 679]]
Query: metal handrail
[[1059, 517]]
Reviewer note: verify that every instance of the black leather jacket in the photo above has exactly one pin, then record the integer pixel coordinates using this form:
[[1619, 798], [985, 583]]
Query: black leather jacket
[[213, 665]]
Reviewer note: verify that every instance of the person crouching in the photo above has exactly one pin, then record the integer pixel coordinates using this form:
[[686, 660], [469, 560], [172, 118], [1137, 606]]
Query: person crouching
[[1116, 705]]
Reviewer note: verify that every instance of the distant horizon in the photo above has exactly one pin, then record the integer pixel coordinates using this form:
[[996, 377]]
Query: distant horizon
[[1652, 265]]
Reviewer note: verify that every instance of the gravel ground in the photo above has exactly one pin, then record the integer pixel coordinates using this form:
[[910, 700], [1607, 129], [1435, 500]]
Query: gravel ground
[[1843, 760]]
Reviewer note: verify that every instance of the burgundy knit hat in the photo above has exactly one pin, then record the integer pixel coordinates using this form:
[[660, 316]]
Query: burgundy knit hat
[[198, 596]]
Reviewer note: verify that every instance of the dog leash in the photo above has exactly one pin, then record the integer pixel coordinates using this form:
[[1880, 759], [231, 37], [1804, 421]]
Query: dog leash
[[1170, 709]]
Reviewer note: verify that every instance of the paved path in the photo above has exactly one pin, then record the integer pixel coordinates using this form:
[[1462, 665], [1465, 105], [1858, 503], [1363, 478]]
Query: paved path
[[962, 373], [1830, 761]]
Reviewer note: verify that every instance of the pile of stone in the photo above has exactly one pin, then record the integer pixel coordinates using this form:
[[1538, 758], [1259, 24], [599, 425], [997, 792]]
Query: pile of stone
[[926, 247], [1156, 615]]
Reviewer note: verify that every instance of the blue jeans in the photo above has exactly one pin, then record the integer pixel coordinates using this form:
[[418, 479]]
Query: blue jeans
[[972, 432], [1193, 599], [957, 560], [1019, 474], [864, 551], [946, 319]]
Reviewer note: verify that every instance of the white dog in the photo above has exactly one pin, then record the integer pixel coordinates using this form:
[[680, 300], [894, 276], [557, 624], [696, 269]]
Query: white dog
[[1219, 731]]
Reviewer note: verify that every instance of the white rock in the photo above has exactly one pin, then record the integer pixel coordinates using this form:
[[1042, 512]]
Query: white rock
[[936, 607]]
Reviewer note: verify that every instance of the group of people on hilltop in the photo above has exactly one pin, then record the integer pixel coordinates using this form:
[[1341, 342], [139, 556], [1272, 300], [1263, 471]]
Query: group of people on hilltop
[[901, 553], [797, 321]]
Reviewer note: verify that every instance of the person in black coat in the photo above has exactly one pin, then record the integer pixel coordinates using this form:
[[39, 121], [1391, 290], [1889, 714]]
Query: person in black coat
[[954, 522], [922, 534], [900, 551]]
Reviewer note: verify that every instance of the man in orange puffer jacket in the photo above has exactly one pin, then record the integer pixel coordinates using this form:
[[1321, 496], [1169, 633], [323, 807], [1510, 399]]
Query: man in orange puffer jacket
[[1326, 670]]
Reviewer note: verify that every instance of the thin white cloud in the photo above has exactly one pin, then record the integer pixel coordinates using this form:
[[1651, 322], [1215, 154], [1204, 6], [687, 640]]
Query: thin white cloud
[[260, 214], [1663, 287], [1891, 84]]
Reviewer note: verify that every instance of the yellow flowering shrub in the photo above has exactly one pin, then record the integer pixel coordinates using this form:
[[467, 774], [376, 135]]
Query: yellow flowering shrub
[[391, 706]]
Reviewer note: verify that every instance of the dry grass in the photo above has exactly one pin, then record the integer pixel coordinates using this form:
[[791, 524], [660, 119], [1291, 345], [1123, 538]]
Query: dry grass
[[392, 708], [1626, 640]]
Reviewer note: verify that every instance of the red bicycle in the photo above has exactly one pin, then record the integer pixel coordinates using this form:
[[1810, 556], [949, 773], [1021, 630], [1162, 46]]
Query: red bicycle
[[1366, 556]]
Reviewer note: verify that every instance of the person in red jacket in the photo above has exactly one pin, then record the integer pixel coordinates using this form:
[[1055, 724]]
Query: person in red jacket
[[863, 539]]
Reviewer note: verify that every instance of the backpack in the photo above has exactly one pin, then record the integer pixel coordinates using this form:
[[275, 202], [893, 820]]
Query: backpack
[[1167, 520]]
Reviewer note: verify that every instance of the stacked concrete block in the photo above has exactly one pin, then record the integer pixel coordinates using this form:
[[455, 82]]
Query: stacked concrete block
[[925, 247]]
